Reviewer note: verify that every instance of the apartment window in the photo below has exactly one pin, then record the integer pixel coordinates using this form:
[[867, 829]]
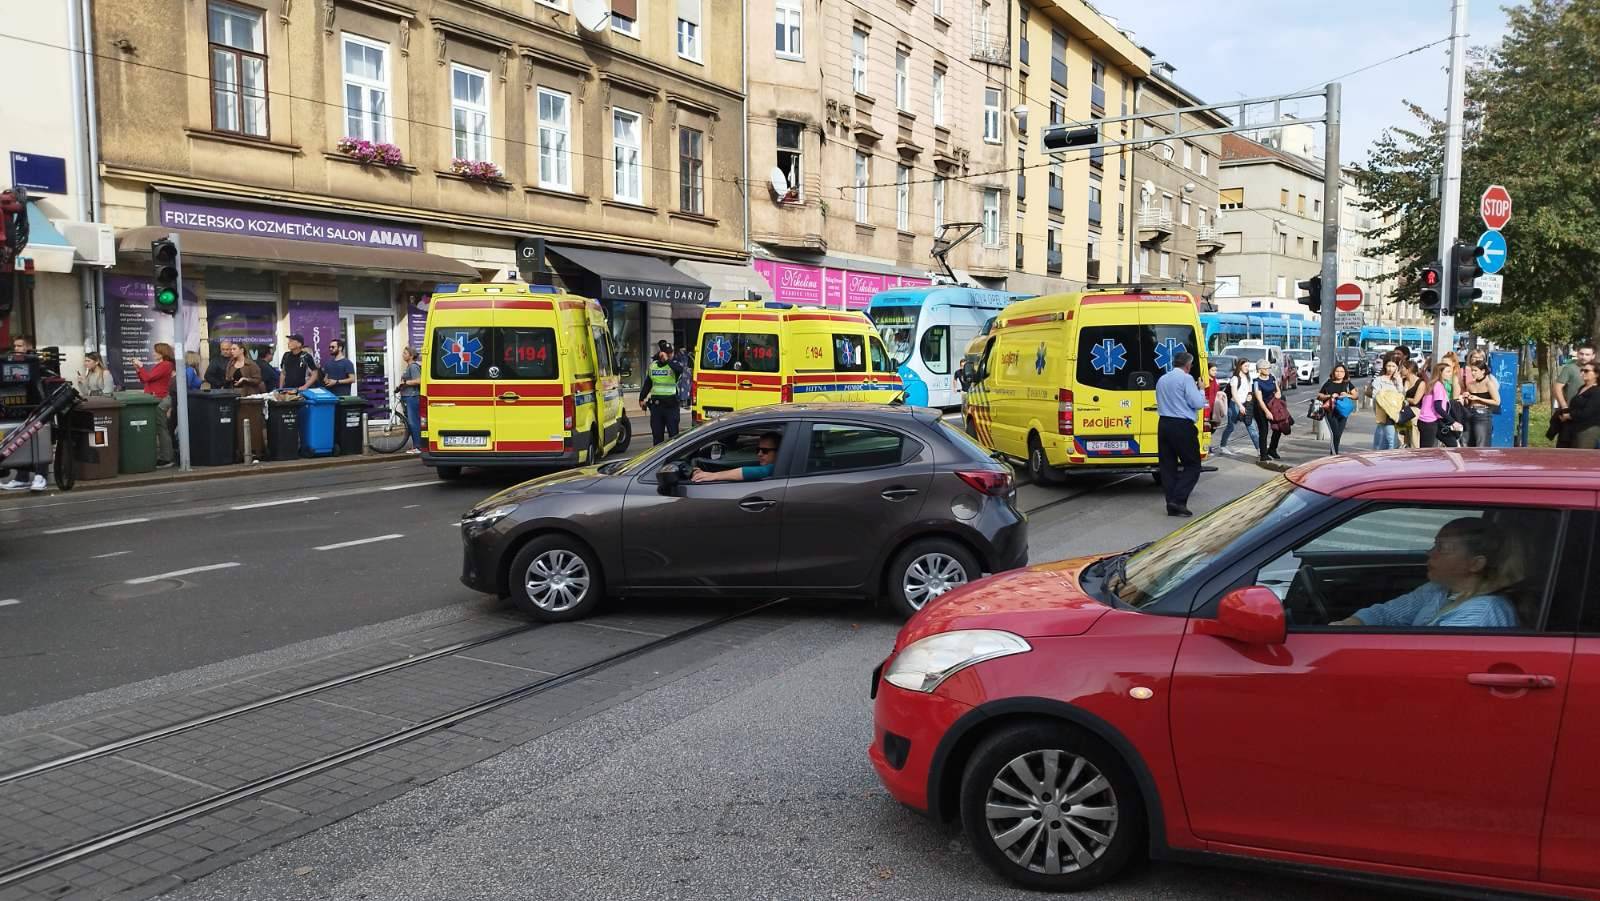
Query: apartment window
[[1300, 205], [858, 60], [1188, 156], [991, 115], [469, 112], [1200, 271], [938, 203], [1200, 217], [1184, 212], [1205, 162], [789, 158], [1058, 58], [1316, 247], [788, 20], [938, 96], [991, 217], [1316, 206], [1058, 109], [1094, 200], [555, 135], [625, 17], [1166, 265], [626, 165], [238, 70], [1022, 48], [553, 4], [1022, 172], [938, 8], [1052, 249], [691, 171], [1056, 182], [863, 173], [1094, 246], [1283, 286], [1230, 199], [1299, 246], [1166, 205], [902, 197], [1016, 246], [1283, 244], [1283, 198], [980, 22], [902, 78], [366, 88], [689, 30]]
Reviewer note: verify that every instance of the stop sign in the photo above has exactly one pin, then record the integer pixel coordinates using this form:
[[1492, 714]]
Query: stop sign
[[1495, 207], [1348, 297]]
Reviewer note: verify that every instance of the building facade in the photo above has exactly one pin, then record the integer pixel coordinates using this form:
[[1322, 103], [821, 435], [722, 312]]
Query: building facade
[[1271, 220], [1070, 213], [1176, 182], [327, 165]]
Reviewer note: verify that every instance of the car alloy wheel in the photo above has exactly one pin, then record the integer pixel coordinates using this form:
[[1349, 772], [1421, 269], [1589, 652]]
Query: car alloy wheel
[[930, 576], [557, 580], [1051, 812]]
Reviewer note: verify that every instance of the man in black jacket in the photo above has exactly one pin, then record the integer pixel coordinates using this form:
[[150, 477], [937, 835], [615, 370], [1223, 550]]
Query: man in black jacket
[[659, 394]]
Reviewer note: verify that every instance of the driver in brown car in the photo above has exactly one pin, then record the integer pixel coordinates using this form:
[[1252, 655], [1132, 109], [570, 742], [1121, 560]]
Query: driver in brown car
[[766, 457]]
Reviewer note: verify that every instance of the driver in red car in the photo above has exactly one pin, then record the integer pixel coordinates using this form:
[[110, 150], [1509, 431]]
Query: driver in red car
[[766, 456], [1469, 563]]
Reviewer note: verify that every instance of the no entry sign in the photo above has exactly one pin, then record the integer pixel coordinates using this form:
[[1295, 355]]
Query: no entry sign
[[1348, 297], [1495, 207]]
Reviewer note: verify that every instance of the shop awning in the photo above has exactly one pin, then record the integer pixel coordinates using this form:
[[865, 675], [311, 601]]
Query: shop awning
[[727, 280], [285, 255], [628, 276], [47, 248]]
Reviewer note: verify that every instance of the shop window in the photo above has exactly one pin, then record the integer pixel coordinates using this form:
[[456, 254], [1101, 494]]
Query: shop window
[[253, 324], [790, 135], [469, 112], [691, 171], [238, 69], [366, 88]]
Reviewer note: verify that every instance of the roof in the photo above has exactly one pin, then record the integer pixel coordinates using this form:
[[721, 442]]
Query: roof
[[1453, 468], [1237, 149]]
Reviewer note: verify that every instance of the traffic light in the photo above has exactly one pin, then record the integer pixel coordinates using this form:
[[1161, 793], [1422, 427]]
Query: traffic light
[[1464, 271], [168, 270], [1431, 279], [1313, 296], [1065, 137]]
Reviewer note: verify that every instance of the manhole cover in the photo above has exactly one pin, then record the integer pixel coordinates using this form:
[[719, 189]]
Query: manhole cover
[[121, 591]]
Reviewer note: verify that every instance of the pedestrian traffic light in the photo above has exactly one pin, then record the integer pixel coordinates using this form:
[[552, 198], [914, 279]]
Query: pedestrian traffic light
[[1432, 296], [1063, 137], [168, 270], [1464, 272], [1313, 296]]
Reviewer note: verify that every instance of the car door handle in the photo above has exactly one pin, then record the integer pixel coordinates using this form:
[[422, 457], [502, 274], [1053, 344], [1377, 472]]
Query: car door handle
[[746, 384], [1151, 409], [1511, 680], [511, 396], [897, 494], [756, 504]]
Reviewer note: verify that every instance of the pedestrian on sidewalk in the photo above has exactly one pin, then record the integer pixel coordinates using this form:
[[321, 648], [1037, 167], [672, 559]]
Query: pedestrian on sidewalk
[[1178, 400], [1238, 390], [1338, 397], [94, 380], [410, 392], [241, 374], [686, 366], [1435, 425], [1482, 401], [1388, 401], [1212, 389], [298, 371], [659, 394], [269, 372], [32, 477], [338, 374], [1580, 420], [1263, 390], [1416, 386], [191, 368], [1568, 382], [157, 380]]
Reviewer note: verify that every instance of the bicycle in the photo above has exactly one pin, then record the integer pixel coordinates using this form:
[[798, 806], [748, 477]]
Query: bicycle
[[393, 435]]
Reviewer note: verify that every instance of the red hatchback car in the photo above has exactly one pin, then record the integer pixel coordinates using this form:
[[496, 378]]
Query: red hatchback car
[[1383, 667]]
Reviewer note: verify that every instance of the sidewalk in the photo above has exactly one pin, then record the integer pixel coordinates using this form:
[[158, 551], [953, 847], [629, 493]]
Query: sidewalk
[[1308, 441]]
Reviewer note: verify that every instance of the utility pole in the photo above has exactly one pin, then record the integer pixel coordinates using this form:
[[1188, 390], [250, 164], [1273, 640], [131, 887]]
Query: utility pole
[[1332, 179], [1450, 188]]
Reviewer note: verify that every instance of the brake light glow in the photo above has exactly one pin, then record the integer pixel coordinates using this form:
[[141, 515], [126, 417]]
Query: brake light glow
[[1064, 412], [993, 482], [569, 412]]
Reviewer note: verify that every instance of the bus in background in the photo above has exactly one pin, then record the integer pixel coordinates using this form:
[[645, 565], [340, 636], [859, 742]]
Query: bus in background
[[1382, 339], [1286, 332], [926, 331]]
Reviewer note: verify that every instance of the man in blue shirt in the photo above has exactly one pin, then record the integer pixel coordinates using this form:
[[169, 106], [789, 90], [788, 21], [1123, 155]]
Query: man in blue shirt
[[338, 374], [766, 458], [1178, 401]]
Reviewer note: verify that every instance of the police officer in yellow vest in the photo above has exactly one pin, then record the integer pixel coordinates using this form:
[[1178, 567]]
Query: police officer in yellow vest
[[660, 394]]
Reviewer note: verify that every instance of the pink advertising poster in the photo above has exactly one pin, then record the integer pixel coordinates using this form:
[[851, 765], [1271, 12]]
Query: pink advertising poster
[[833, 279], [859, 288], [792, 282]]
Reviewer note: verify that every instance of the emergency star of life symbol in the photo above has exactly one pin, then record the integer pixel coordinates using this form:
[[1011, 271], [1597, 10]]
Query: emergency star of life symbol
[[461, 353], [719, 352], [1108, 356], [1165, 351], [1038, 361]]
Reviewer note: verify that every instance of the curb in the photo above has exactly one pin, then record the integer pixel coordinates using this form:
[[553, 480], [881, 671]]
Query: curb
[[209, 473]]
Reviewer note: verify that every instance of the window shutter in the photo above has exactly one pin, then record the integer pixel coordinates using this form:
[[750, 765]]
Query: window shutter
[[626, 8], [689, 11]]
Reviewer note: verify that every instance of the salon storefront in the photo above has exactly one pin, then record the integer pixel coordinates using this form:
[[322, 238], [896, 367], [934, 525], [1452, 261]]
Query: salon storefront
[[839, 284]]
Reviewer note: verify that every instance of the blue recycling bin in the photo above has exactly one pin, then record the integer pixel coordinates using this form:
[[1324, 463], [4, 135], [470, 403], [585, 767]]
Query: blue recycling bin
[[316, 431]]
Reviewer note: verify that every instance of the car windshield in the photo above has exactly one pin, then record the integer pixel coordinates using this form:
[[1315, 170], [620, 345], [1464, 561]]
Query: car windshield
[[1253, 354], [1147, 575], [898, 326]]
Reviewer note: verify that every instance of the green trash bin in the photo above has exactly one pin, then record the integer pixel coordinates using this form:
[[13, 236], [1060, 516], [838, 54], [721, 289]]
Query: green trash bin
[[136, 451]]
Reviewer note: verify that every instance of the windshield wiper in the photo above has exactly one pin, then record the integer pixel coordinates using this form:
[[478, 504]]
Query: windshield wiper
[[1117, 570]]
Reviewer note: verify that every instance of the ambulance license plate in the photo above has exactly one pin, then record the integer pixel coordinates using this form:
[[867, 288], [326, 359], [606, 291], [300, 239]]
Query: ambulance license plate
[[716, 414], [464, 441], [1105, 445]]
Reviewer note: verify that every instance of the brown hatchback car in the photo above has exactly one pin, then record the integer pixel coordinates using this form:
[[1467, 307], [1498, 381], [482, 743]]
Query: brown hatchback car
[[862, 501]]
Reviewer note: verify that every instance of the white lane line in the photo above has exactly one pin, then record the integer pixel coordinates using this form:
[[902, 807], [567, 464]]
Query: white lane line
[[112, 554], [9, 602], [97, 525], [343, 544], [180, 572], [411, 485], [279, 503], [410, 506]]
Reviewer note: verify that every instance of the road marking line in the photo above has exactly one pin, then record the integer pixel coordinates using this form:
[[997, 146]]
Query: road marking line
[[289, 500], [112, 554], [343, 544], [97, 525], [180, 572], [410, 506], [411, 485], [9, 602]]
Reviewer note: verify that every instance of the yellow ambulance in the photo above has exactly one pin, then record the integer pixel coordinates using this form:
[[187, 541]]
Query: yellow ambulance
[[518, 375], [1068, 381], [752, 353]]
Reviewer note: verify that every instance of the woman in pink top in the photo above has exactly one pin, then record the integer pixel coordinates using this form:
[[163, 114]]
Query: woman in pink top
[[1438, 394], [157, 381]]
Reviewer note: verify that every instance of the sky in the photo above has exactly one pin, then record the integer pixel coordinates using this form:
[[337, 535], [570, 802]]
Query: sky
[[1249, 48]]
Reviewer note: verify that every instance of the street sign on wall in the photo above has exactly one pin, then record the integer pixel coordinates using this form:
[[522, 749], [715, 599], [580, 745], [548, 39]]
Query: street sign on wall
[[1491, 285], [1495, 251], [1495, 207], [1348, 297]]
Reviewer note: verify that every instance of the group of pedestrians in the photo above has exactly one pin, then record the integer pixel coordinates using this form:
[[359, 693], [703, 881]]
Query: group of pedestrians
[[1253, 398], [1575, 415]]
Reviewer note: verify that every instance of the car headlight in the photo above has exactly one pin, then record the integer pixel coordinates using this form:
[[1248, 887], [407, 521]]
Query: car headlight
[[488, 517], [924, 664]]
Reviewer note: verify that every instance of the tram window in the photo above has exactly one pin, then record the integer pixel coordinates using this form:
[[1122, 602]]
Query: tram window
[[936, 349]]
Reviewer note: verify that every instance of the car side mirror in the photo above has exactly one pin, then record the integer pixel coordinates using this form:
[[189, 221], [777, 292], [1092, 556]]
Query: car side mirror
[[1252, 615], [668, 478]]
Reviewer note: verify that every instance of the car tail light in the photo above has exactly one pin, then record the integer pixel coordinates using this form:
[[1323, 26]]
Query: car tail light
[[787, 396], [422, 413], [1064, 414], [993, 482], [694, 392], [569, 412]]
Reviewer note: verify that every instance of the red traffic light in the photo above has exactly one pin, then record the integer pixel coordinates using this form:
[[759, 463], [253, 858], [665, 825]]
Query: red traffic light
[[1430, 278]]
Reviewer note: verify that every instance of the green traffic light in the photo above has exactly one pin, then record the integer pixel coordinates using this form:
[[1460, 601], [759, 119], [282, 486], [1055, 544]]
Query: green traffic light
[[166, 297]]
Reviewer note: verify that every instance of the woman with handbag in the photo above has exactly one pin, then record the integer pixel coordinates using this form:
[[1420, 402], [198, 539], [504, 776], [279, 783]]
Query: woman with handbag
[[1238, 390], [1435, 400], [1482, 401], [1388, 405], [1338, 397], [1262, 392]]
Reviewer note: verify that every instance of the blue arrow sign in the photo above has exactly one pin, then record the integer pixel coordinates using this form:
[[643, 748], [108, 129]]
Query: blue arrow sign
[[1495, 251]]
